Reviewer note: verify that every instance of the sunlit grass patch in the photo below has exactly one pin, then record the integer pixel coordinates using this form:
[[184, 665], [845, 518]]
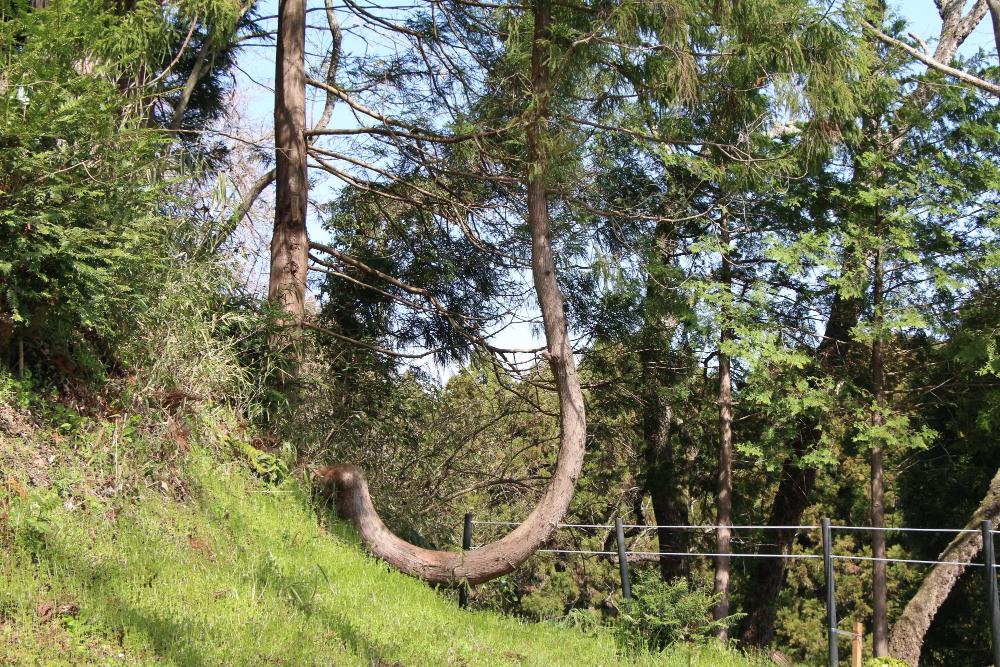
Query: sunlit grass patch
[[240, 573]]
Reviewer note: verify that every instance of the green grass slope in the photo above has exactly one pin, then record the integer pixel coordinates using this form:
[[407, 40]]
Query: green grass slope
[[213, 567]]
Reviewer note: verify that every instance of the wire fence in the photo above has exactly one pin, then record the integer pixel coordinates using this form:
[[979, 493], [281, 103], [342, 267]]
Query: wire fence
[[826, 529], [711, 529]]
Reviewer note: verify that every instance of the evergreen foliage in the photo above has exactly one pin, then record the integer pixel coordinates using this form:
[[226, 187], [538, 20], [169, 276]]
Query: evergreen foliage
[[79, 226]]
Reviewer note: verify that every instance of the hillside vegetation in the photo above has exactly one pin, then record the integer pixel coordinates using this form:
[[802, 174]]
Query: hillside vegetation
[[122, 546]]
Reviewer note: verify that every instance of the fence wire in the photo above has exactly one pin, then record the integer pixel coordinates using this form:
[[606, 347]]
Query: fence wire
[[707, 528], [676, 553], [650, 527], [906, 561], [828, 557], [907, 530]]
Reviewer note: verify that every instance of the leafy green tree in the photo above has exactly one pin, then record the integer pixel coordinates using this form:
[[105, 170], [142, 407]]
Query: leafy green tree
[[85, 193], [80, 189]]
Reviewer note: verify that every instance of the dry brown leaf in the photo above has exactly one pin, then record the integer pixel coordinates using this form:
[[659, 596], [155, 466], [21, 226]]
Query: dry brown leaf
[[44, 611], [17, 487]]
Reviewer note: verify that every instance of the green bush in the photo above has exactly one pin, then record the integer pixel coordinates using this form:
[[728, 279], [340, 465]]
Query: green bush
[[886, 662], [202, 339], [88, 212], [663, 613], [80, 192]]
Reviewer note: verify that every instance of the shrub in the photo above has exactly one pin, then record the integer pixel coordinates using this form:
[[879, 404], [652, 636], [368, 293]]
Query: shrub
[[664, 613], [80, 234], [886, 662], [86, 212], [202, 339]]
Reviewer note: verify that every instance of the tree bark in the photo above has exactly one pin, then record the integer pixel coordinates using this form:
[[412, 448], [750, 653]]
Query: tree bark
[[724, 500], [880, 624], [908, 632], [499, 558], [290, 241], [956, 26], [660, 477]]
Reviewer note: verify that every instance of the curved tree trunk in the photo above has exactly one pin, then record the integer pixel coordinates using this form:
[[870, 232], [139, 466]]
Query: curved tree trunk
[[499, 558], [907, 637]]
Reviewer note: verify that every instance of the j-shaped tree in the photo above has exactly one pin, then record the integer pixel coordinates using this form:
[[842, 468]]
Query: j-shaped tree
[[498, 558], [478, 138]]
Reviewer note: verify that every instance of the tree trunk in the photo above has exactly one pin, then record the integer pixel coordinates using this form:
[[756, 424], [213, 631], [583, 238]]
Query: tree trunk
[[994, 6], [499, 558], [661, 480], [908, 632], [724, 501], [880, 624], [290, 241], [795, 487], [768, 576]]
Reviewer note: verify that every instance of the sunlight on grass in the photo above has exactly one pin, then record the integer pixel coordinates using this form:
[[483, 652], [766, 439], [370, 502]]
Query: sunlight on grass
[[241, 574]]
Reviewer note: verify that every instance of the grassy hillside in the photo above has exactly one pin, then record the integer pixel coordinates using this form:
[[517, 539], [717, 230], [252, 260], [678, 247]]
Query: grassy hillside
[[124, 547]]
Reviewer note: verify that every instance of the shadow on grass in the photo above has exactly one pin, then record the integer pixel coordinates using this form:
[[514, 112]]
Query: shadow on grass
[[176, 639], [169, 637]]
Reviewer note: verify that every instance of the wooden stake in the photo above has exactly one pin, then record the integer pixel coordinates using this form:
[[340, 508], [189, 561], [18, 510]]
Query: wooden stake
[[858, 645]]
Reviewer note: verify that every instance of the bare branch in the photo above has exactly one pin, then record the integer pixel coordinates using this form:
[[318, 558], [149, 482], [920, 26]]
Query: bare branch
[[180, 52], [369, 346], [196, 73], [222, 235], [935, 64], [332, 65], [994, 6]]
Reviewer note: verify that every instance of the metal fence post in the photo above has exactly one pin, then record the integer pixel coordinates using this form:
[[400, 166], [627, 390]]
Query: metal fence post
[[831, 600], [990, 561], [622, 560], [463, 592]]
